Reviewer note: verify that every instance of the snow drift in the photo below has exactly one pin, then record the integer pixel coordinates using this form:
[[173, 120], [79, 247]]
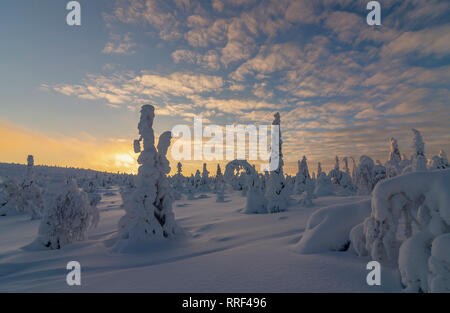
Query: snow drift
[[329, 228]]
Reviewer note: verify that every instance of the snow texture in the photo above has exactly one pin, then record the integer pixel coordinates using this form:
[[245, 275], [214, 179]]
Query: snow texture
[[328, 229]]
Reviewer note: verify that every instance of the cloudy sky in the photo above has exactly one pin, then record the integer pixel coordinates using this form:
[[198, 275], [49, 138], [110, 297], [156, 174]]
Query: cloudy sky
[[70, 95]]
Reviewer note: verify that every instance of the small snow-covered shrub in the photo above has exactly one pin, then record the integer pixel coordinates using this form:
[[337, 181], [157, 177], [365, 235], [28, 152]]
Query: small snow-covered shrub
[[305, 200], [329, 228], [255, 198], [439, 162], [68, 219], [323, 186]]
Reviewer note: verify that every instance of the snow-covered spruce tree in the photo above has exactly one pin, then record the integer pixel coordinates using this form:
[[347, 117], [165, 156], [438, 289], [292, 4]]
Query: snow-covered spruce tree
[[393, 166], [92, 191], [346, 183], [444, 161], [439, 162], [219, 185], [335, 174], [179, 168], [197, 180], [9, 196], [204, 181], [365, 176], [346, 168], [177, 180], [127, 188], [323, 184], [244, 181], [255, 203], [148, 212], [164, 199], [419, 161], [277, 195], [306, 199], [30, 200], [67, 220], [190, 187], [379, 173], [409, 227], [354, 169], [302, 179]]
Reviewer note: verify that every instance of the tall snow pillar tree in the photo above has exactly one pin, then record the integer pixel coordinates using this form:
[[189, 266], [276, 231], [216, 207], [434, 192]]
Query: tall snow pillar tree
[[277, 194], [419, 161], [149, 210]]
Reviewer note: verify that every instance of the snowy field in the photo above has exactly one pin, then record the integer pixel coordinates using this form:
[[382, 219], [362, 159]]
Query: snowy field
[[223, 250], [237, 231]]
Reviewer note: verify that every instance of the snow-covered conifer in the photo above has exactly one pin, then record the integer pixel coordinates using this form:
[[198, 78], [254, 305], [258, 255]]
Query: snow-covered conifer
[[30, 200], [419, 161], [323, 185], [365, 176], [204, 181], [219, 185], [148, 212], [255, 198], [179, 168], [409, 227], [346, 168], [277, 193], [164, 200], [197, 180], [190, 186], [393, 165], [68, 219], [9, 197], [439, 162], [335, 174], [302, 179]]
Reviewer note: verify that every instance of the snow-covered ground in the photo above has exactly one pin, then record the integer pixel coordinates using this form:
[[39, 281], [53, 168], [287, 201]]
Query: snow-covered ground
[[223, 250]]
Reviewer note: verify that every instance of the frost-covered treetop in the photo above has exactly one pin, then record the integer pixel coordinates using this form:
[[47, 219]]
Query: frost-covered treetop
[[346, 169], [205, 170], [394, 154], [164, 142], [319, 169], [145, 125], [303, 168], [30, 160], [336, 164], [276, 120], [419, 145], [219, 170], [30, 168]]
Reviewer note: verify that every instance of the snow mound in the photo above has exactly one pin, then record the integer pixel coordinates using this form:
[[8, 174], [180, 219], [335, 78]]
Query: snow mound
[[329, 228]]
